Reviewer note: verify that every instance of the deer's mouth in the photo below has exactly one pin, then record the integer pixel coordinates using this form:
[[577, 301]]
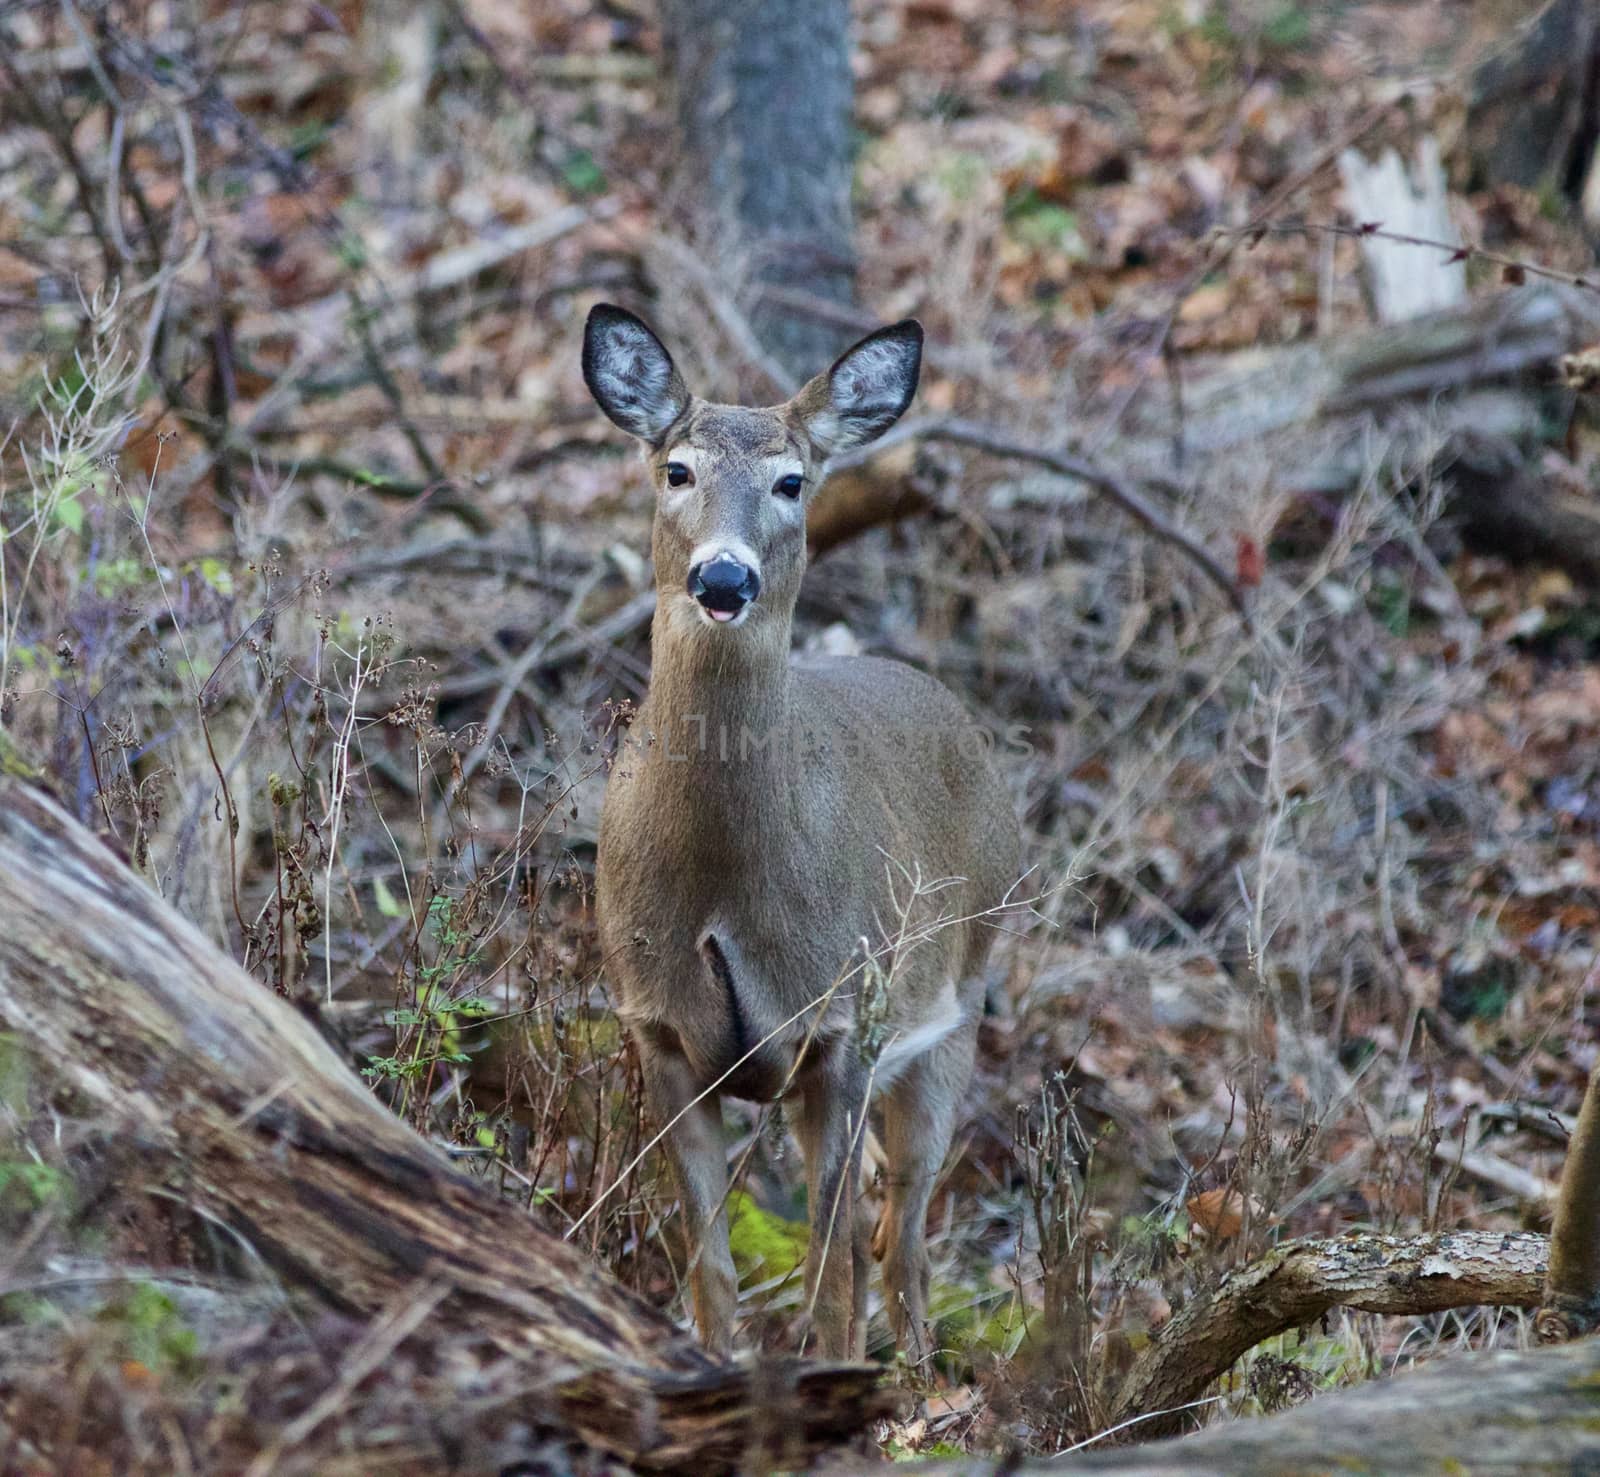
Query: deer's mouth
[[723, 620]]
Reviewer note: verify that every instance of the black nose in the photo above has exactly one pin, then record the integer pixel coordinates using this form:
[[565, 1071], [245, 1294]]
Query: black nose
[[723, 585]]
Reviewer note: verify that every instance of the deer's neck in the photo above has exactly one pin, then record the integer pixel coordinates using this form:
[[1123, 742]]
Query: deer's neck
[[720, 702]]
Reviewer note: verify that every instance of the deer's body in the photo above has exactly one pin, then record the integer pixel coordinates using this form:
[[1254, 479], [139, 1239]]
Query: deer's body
[[744, 832], [771, 823]]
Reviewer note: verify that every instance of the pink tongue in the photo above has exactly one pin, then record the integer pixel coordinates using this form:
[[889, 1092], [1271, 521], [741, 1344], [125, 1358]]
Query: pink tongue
[[723, 615]]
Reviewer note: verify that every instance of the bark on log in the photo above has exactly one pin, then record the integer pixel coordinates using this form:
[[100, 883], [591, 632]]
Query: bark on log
[[264, 1127], [1295, 1284], [1480, 1413]]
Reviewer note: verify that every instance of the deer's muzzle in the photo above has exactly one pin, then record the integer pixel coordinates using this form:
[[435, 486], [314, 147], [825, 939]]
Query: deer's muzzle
[[723, 585]]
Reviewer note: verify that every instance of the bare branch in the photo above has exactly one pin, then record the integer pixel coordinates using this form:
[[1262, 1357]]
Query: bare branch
[[1298, 1282], [996, 442], [1514, 270]]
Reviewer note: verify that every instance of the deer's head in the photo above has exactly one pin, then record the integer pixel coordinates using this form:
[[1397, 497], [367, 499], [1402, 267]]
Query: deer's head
[[733, 482]]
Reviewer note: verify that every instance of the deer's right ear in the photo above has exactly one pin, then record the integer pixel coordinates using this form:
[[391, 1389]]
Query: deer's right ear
[[631, 376]]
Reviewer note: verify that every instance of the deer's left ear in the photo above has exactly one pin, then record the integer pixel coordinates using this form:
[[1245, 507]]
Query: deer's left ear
[[866, 391]]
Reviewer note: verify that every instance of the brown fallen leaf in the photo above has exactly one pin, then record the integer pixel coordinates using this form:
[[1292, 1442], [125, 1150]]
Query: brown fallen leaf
[[1220, 1213]]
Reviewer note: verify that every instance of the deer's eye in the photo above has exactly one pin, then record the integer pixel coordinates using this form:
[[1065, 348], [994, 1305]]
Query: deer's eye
[[678, 475], [789, 486]]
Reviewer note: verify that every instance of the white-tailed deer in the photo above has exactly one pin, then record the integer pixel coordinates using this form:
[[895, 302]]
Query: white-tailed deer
[[799, 860]]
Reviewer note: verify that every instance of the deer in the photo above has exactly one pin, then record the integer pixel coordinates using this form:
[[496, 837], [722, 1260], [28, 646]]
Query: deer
[[767, 903]]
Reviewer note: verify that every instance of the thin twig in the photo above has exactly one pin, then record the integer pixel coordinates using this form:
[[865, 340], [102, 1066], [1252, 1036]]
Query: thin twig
[[1514, 269], [996, 442]]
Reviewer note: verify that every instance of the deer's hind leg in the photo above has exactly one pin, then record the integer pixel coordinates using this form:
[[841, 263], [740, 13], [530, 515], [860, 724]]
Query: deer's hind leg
[[919, 1117]]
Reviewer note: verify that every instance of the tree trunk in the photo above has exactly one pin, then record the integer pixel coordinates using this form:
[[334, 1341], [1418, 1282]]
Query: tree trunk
[[762, 96], [262, 1127], [1533, 107]]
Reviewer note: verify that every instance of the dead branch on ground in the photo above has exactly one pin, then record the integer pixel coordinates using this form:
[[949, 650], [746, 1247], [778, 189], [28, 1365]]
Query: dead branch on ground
[[1295, 1284]]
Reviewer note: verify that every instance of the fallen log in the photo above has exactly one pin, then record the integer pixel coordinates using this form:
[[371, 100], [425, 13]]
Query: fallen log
[[254, 1120], [1347, 382], [1480, 1413], [1469, 394]]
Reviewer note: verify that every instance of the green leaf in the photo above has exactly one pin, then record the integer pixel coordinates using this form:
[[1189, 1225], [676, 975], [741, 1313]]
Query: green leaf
[[217, 574], [388, 904], [763, 1245], [1044, 225], [68, 512], [582, 174]]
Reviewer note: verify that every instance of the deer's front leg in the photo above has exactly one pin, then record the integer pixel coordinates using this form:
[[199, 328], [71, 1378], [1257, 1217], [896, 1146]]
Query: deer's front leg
[[832, 1134], [699, 1162]]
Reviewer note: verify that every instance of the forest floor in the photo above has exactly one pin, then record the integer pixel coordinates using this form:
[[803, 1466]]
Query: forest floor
[[314, 526]]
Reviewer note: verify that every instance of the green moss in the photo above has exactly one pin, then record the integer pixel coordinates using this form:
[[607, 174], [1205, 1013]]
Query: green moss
[[149, 1329], [898, 1451], [764, 1245], [26, 1186], [600, 1031], [590, 1034], [1043, 225], [14, 762]]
